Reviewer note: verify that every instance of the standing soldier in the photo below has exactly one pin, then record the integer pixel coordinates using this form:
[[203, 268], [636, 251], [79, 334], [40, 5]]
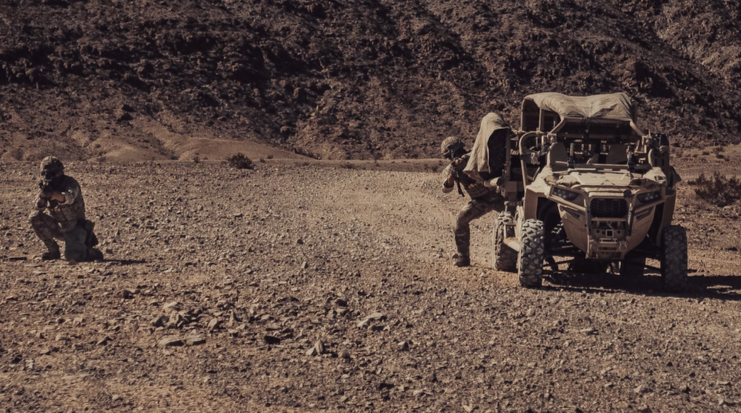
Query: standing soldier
[[62, 197], [483, 199]]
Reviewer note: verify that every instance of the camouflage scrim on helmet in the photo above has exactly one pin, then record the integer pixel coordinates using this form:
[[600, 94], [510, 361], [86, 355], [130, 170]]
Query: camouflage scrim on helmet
[[51, 167], [450, 145]]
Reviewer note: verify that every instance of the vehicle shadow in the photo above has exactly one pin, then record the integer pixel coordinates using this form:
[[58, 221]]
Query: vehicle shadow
[[712, 286]]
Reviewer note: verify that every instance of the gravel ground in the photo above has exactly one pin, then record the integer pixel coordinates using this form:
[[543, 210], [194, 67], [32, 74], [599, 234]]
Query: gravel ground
[[294, 288]]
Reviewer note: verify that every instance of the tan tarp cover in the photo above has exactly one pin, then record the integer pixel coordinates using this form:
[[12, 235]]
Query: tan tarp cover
[[479, 160], [617, 106]]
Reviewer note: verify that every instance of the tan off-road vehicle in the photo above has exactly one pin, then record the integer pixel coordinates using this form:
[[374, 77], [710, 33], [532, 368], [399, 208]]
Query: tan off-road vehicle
[[582, 182]]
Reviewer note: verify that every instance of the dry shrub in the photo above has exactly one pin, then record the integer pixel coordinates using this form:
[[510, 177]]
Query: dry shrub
[[717, 190], [305, 152], [240, 161]]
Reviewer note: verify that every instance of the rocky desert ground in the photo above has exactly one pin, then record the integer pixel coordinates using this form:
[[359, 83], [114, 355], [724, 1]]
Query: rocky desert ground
[[300, 287]]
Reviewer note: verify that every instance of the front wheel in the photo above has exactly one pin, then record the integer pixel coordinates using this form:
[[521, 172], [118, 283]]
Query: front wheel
[[532, 252], [503, 258], [674, 258]]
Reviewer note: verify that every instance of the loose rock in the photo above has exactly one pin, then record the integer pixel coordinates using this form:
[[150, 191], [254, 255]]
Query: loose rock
[[194, 339], [319, 347], [170, 341], [159, 321], [373, 317]]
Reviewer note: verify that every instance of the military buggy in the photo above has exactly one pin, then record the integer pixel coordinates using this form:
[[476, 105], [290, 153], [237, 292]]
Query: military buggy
[[584, 186]]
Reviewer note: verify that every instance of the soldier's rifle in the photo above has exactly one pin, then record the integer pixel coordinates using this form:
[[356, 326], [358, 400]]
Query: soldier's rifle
[[47, 191], [456, 162]]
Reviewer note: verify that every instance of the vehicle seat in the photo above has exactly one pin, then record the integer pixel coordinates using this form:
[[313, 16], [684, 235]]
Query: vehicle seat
[[617, 155], [558, 158]]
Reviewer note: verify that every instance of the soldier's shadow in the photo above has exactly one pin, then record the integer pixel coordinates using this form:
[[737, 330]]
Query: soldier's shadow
[[125, 262], [711, 286]]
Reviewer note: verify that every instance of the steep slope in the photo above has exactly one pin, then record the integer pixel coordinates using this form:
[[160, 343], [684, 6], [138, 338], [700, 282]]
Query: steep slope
[[350, 79]]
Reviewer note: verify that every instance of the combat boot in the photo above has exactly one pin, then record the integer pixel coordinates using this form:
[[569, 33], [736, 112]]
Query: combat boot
[[463, 261], [91, 240], [51, 255], [96, 254]]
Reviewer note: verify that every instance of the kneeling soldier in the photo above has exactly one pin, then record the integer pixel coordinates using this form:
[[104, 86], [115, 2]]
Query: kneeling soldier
[[62, 197]]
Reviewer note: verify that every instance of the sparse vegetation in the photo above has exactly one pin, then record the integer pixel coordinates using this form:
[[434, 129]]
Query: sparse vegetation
[[717, 190], [240, 161]]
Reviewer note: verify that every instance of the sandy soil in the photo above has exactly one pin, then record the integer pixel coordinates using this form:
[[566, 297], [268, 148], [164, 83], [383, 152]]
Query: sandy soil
[[301, 287]]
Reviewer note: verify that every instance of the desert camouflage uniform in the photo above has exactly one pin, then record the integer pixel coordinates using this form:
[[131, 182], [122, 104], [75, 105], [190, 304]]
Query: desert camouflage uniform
[[483, 200], [65, 221]]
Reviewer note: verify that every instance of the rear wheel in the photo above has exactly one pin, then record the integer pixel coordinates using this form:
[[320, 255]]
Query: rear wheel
[[503, 258], [532, 252], [674, 258]]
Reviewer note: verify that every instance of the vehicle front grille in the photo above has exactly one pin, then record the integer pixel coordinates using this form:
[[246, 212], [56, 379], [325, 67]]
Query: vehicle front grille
[[609, 208]]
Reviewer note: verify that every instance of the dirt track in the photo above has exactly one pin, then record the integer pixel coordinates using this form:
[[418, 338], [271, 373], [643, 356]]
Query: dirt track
[[254, 269]]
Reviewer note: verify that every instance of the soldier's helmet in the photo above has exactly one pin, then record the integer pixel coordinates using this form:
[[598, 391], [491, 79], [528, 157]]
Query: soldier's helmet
[[51, 167], [450, 145]]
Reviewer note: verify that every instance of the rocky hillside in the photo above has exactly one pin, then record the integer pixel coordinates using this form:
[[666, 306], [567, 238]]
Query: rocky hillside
[[347, 79]]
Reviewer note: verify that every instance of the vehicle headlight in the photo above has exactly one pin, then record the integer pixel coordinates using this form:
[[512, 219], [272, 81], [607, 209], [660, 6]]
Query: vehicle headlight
[[649, 196], [564, 194]]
